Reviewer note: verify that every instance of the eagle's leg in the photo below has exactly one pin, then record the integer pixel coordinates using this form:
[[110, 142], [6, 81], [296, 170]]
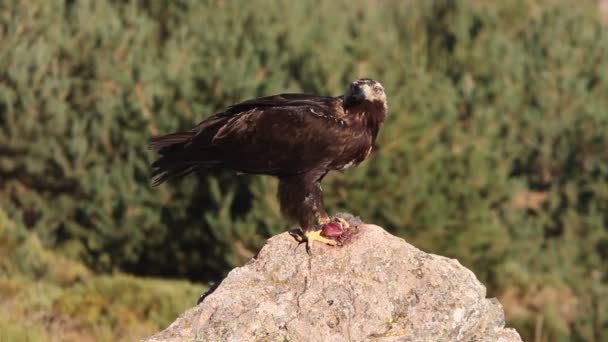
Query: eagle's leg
[[322, 216], [300, 197], [324, 219]]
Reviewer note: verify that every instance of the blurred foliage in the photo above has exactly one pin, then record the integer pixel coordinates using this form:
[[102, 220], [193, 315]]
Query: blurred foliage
[[494, 151], [45, 296]]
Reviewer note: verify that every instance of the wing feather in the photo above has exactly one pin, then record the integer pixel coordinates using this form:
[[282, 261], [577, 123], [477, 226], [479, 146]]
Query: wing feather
[[282, 134], [331, 106]]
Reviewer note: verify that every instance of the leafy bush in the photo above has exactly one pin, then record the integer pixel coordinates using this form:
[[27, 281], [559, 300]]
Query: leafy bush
[[493, 153], [45, 296]]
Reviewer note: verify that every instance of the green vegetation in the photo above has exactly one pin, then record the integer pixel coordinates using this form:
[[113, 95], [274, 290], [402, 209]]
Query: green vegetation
[[45, 296], [494, 151]]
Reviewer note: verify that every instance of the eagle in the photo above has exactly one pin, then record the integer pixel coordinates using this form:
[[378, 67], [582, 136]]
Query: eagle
[[297, 138]]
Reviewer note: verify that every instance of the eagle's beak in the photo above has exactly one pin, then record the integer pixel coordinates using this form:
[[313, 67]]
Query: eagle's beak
[[365, 92]]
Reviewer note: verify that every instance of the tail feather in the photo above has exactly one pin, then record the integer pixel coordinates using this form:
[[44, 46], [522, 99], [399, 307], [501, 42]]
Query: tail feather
[[171, 139], [160, 175], [175, 160]]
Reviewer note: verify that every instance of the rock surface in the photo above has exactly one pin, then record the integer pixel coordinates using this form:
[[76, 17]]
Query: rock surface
[[376, 287]]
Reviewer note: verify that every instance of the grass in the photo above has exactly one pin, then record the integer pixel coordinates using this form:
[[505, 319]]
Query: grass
[[47, 297]]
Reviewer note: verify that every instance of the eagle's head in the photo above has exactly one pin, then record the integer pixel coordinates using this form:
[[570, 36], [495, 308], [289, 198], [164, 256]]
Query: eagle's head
[[365, 89]]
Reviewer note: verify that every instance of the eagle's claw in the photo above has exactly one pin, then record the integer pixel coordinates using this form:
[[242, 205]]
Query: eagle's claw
[[332, 233], [309, 236], [316, 235]]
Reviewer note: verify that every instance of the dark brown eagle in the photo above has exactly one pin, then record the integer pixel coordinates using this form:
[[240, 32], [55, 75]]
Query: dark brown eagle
[[298, 138]]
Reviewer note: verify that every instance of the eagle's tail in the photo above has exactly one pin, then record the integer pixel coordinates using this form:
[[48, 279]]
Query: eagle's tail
[[175, 159], [171, 139]]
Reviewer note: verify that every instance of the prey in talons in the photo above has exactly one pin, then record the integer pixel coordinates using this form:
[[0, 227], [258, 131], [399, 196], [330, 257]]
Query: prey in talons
[[331, 232]]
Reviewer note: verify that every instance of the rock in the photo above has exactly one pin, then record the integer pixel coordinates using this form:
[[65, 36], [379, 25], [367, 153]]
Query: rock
[[374, 287]]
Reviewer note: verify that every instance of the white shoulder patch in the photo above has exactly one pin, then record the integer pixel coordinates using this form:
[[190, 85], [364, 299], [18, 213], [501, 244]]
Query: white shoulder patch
[[348, 165]]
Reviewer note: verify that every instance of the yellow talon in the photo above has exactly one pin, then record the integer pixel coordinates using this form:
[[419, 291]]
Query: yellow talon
[[342, 222], [324, 220], [315, 235], [309, 236]]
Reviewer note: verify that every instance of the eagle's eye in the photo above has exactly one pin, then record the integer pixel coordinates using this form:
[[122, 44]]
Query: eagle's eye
[[354, 90]]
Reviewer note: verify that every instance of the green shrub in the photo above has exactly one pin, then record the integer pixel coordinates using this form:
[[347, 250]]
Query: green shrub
[[493, 153], [45, 296]]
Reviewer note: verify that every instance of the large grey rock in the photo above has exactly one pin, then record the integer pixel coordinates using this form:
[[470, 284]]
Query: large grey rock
[[376, 287]]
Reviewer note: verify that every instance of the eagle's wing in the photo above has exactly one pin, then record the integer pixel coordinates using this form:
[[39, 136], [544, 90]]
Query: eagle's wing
[[282, 134], [327, 105], [279, 135]]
